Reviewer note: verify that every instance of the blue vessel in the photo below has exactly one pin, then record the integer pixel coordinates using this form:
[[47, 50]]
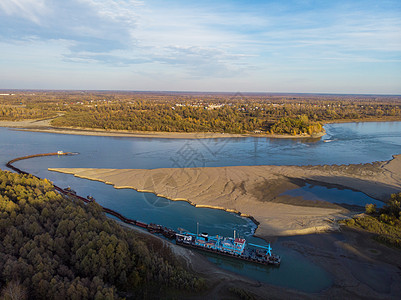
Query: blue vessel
[[229, 246]]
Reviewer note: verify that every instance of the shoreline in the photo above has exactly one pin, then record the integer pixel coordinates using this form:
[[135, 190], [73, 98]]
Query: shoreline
[[316, 229], [162, 196], [346, 258], [305, 231], [44, 126], [255, 192], [350, 259], [346, 254], [368, 120], [166, 135]]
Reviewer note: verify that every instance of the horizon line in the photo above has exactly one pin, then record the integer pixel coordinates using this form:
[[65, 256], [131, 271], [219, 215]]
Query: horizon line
[[238, 93]]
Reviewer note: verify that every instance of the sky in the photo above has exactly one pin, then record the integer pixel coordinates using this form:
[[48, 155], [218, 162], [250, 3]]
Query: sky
[[301, 46]]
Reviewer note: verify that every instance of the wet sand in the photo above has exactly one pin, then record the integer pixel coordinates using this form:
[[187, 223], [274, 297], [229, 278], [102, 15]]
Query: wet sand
[[360, 268], [255, 191]]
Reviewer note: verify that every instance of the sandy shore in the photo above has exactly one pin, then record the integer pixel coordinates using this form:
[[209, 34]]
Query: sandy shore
[[256, 190], [358, 266], [45, 126], [32, 124]]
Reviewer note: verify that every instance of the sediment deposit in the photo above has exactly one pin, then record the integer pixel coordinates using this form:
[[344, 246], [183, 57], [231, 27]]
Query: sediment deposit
[[256, 190]]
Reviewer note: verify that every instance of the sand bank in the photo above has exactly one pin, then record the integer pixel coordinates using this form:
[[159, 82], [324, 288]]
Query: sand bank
[[45, 126], [31, 124], [256, 190]]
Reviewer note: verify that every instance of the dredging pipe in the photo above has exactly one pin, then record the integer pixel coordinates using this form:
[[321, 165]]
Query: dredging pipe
[[153, 228]]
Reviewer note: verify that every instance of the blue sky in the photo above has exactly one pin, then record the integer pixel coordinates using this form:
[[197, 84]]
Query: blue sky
[[234, 46]]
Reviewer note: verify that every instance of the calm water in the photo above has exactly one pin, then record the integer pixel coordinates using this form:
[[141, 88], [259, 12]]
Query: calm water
[[315, 193], [344, 143]]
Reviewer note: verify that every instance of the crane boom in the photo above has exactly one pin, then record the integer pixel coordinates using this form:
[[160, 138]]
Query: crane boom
[[268, 248]]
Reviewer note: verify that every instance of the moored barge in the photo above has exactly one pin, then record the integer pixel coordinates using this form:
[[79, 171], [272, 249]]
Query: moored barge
[[229, 246]]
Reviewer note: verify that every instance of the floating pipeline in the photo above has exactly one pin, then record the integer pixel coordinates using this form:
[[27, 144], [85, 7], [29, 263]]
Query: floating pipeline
[[152, 228], [184, 239]]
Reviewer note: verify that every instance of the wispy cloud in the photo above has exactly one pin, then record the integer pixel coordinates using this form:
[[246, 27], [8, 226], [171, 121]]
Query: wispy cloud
[[118, 11], [33, 10], [92, 25], [207, 40], [202, 62]]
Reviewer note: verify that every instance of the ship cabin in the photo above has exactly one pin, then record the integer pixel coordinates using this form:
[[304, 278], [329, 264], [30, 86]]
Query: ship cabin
[[184, 238], [205, 235], [202, 239], [239, 246], [205, 241], [233, 246]]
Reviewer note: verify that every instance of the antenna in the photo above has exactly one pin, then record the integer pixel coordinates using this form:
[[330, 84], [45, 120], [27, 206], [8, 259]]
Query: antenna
[[197, 228]]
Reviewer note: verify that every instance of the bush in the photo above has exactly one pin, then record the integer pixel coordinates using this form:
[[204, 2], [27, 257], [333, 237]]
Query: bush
[[385, 222], [370, 208]]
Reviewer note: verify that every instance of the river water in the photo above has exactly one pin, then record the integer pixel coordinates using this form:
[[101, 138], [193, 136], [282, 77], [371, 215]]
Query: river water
[[343, 144]]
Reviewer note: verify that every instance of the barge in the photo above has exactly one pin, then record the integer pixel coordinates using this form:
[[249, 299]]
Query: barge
[[229, 246]]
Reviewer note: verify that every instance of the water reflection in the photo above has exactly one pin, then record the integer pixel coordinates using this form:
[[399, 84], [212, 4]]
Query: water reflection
[[315, 193]]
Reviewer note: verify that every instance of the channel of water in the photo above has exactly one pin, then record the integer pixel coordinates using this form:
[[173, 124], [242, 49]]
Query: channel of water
[[346, 143]]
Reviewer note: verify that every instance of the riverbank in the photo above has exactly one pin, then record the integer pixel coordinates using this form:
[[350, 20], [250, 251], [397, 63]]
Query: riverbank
[[45, 126], [256, 191], [358, 266], [387, 119]]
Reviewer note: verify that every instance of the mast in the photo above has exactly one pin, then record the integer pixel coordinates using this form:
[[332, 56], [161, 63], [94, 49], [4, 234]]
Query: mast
[[197, 228]]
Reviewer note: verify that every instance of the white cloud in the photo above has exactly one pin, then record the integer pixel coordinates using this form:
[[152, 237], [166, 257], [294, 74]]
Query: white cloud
[[117, 10], [33, 10], [202, 41]]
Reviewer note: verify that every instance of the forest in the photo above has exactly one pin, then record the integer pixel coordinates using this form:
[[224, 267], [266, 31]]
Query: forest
[[192, 112], [58, 248], [384, 223]]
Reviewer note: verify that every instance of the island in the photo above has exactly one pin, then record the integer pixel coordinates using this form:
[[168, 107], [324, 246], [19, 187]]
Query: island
[[190, 115], [257, 191]]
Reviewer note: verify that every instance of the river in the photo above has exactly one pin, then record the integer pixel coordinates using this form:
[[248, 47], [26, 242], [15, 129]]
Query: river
[[343, 144]]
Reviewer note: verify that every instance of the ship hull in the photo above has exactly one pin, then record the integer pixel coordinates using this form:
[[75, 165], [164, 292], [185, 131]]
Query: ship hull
[[240, 257]]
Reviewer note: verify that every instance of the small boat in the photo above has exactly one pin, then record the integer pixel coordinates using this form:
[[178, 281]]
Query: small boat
[[70, 190]]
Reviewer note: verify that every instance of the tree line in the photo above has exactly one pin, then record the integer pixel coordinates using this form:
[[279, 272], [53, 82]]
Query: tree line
[[17, 113], [58, 248], [176, 112]]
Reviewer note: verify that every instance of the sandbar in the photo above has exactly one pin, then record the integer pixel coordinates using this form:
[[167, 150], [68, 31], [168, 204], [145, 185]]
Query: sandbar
[[256, 191]]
